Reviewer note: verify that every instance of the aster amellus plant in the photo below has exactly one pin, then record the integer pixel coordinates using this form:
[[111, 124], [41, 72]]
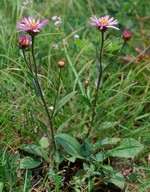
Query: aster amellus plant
[[30, 25], [104, 22]]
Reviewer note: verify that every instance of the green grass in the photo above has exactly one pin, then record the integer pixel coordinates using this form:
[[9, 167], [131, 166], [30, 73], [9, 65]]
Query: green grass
[[123, 106]]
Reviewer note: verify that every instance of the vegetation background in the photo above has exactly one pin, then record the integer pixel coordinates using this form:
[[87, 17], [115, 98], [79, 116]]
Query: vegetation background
[[124, 101]]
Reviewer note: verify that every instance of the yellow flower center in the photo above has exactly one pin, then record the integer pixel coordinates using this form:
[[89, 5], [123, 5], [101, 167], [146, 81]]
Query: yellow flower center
[[103, 21], [32, 24]]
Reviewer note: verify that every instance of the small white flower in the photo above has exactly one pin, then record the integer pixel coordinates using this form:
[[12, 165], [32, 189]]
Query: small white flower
[[55, 46], [54, 18], [51, 108], [76, 36], [58, 23]]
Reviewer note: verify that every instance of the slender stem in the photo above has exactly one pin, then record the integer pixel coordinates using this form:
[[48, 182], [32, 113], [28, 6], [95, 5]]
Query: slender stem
[[47, 111], [28, 65], [98, 84], [57, 92], [33, 55], [115, 56], [41, 94]]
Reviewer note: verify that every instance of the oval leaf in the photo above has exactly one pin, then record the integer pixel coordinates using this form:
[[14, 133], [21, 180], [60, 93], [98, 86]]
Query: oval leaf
[[36, 150], [29, 163], [128, 148], [44, 142], [69, 144]]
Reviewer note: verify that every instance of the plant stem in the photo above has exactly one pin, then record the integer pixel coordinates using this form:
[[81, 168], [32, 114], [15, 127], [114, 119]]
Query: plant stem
[[28, 65], [115, 56], [40, 90], [33, 55], [99, 80], [46, 109]]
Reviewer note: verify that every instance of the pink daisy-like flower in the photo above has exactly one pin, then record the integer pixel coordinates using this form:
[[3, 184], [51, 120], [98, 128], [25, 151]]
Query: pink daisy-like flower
[[24, 41], [103, 23], [30, 25]]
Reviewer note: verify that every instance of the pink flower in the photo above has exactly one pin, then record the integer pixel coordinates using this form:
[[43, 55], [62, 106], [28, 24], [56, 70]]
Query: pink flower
[[30, 25], [24, 41], [103, 23], [126, 35]]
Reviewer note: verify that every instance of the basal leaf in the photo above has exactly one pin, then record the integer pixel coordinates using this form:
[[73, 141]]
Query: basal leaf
[[29, 163], [118, 180], [35, 149], [70, 145], [128, 148]]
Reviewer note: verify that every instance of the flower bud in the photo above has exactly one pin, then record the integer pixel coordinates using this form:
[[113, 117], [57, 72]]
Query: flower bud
[[126, 35], [61, 63], [24, 41], [58, 23]]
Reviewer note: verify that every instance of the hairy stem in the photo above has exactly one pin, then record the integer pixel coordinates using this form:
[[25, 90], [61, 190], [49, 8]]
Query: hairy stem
[[33, 55], [40, 90], [98, 84]]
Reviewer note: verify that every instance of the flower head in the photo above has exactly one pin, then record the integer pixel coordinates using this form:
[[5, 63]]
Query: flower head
[[126, 35], [24, 41], [30, 25], [103, 23], [61, 63]]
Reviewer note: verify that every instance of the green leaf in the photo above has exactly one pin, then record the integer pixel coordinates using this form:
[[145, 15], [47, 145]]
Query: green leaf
[[128, 148], [84, 100], [44, 142], [86, 149], [108, 125], [70, 145], [114, 176], [36, 150], [29, 163], [118, 180], [83, 44], [35, 88], [63, 101], [133, 177], [105, 142], [42, 125], [1, 186], [113, 46], [99, 157]]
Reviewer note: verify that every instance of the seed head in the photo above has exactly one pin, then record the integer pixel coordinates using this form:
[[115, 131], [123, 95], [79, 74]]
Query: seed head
[[61, 63]]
